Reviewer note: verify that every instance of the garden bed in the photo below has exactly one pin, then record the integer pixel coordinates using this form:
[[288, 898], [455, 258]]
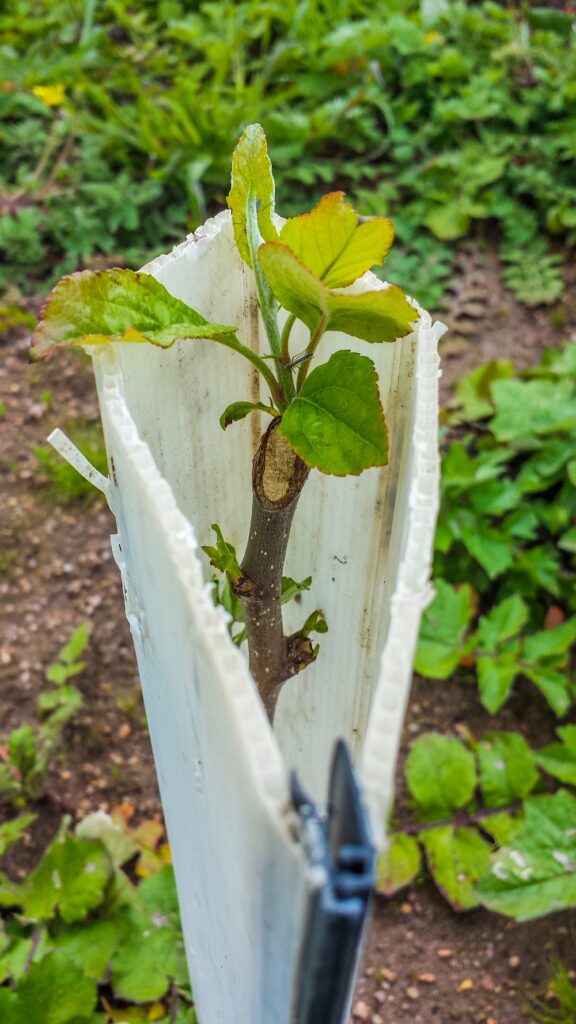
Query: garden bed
[[422, 962]]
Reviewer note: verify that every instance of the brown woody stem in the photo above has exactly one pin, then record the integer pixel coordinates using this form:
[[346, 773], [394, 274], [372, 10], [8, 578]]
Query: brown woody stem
[[278, 476]]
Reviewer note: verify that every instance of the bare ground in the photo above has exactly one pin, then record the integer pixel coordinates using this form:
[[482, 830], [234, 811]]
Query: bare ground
[[422, 963]]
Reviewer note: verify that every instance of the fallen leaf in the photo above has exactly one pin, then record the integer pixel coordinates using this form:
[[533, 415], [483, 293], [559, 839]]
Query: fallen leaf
[[465, 985]]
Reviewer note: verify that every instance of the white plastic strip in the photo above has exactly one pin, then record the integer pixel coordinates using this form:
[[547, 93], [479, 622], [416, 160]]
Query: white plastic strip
[[68, 450]]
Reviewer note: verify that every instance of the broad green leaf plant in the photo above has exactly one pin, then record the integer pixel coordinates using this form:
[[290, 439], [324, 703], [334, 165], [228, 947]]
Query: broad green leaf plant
[[84, 942], [505, 558], [485, 823], [327, 417], [30, 751]]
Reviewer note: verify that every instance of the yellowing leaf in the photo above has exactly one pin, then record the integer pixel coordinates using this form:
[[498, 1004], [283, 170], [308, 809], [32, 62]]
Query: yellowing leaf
[[156, 1011], [50, 95], [383, 315], [118, 305], [399, 864], [165, 853], [295, 287], [251, 177], [335, 243], [377, 316]]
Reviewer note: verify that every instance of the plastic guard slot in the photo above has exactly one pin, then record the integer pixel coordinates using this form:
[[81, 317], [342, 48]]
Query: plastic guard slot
[[337, 912]]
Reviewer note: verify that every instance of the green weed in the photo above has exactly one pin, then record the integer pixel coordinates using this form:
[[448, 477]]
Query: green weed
[[442, 126], [30, 750], [490, 833], [505, 558], [561, 985], [71, 933]]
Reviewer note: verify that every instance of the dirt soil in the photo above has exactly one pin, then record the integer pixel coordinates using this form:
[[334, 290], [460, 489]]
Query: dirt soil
[[422, 962]]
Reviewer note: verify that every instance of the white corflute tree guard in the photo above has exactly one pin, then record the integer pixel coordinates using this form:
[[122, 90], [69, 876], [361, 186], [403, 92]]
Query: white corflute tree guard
[[242, 875]]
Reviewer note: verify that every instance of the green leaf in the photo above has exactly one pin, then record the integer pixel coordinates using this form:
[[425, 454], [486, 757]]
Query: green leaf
[[457, 858], [441, 774], [10, 892], [503, 827], [536, 873], [535, 407], [158, 893], [65, 698], [252, 178], [448, 222], [503, 622], [549, 643], [315, 623], [553, 686], [71, 878], [239, 410], [495, 678], [89, 308], [59, 673], [559, 759], [90, 945], [150, 950], [295, 287], [568, 541], [290, 587], [335, 243], [493, 551], [507, 768], [544, 467], [383, 315], [22, 951], [23, 749], [443, 629], [12, 831], [495, 497], [9, 1007], [55, 991], [399, 865], [76, 645], [223, 556], [474, 392], [336, 421]]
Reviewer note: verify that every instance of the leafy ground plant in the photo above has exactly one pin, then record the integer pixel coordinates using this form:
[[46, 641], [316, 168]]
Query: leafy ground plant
[[446, 116], [328, 418], [28, 751], [488, 830], [506, 529], [81, 942]]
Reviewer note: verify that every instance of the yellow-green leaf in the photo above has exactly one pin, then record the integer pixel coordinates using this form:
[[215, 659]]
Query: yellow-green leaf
[[399, 864], [382, 315], [336, 421], [295, 287], [251, 177], [335, 243], [117, 305]]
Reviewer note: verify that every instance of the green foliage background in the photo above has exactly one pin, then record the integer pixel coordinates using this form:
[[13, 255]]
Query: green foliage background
[[466, 121]]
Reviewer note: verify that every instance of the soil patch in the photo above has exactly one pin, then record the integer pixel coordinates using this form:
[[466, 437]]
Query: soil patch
[[422, 962]]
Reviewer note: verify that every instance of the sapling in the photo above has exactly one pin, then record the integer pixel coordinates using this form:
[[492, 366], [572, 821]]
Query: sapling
[[327, 418]]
